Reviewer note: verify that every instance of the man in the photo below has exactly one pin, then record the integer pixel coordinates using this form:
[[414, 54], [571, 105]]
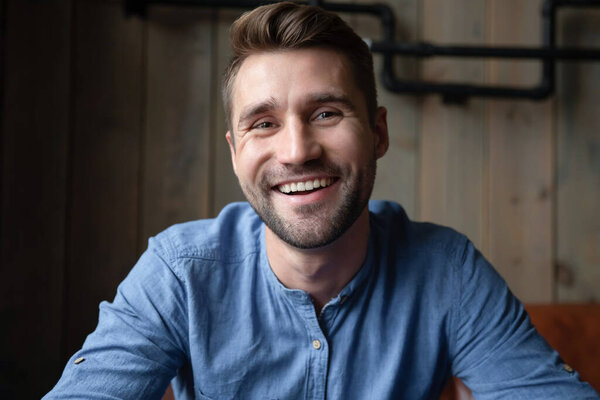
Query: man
[[306, 293]]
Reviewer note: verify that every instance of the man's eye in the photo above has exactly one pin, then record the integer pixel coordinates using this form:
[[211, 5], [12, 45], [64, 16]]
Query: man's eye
[[326, 114], [263, 125]]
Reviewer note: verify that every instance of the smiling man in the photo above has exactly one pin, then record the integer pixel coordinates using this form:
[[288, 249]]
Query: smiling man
[[310, 291], [304, 149]]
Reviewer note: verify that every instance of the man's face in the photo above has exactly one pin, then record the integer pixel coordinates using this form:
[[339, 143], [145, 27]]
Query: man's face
[[305, 153]]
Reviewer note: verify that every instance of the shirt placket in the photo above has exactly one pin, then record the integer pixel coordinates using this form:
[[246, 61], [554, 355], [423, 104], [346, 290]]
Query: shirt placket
[[318, 350]]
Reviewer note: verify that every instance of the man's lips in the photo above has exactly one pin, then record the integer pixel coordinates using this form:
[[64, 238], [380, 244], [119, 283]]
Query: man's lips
[[304, 185]]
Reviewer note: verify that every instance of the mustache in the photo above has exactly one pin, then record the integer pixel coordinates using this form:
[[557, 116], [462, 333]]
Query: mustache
[[282, 173]]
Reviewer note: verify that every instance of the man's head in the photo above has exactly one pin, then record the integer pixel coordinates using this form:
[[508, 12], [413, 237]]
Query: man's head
[[306, 140], [289, 26]]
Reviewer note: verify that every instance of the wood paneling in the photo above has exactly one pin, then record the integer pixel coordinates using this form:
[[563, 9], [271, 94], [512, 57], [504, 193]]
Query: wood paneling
[[107, 115], [179, 108], [35, 128], [521, 161], [453, 157], [225, 188], [578, 163], [113, 129]]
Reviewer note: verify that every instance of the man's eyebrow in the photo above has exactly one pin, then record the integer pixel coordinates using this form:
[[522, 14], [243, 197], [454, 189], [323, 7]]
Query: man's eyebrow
[[256, 109], [333, 98]]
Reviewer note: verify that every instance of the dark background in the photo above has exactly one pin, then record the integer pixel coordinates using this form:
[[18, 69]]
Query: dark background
[[112, 129]]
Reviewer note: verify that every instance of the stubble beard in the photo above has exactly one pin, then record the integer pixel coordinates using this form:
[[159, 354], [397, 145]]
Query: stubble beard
[[313, 226]]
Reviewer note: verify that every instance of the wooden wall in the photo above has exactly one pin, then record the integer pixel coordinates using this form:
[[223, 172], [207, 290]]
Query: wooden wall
[[112, 129]]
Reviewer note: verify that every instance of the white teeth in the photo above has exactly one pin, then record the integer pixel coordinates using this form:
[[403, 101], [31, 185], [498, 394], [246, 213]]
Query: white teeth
[[305, 185]]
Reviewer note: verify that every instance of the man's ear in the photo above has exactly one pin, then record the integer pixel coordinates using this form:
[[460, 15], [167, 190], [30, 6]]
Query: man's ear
[[231, 150], [382, 138]]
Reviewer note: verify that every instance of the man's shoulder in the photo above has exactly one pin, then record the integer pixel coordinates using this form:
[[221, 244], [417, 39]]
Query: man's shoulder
[[230, 236], [392, 223]]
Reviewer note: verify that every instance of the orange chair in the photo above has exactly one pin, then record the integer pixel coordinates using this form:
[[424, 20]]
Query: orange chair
[[168, 394]]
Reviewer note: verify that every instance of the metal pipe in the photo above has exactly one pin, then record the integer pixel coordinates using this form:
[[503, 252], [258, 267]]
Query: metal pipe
[[547, 53], [429, 50]]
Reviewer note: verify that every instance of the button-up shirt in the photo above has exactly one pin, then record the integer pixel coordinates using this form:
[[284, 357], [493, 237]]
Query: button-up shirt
[[203, 307]]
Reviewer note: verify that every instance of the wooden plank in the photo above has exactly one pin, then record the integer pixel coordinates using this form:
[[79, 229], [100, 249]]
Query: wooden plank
[[179, 109], [35, 126], [397, 170], [578, 171], [225, 186], [107, 115], [453, 157], [521, 161]]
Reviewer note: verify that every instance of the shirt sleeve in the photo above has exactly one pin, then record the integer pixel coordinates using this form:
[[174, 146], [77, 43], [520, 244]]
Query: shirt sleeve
[[139, 342], [497, 351]]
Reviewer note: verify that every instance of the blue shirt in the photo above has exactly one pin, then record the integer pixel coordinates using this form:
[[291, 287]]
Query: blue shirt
[[203, 306]]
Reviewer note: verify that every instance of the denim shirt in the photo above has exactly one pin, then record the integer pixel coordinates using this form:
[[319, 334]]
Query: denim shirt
[[203, 307]]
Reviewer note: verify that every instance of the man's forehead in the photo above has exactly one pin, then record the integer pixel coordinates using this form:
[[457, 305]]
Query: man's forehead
[[262, 77]]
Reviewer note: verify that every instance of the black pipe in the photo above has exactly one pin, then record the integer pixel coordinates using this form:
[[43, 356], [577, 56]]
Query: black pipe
[[459, 93], [547, 54], [429, 50]]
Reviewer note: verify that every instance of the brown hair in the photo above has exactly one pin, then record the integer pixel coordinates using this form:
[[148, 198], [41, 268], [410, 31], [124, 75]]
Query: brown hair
[[288, 26]]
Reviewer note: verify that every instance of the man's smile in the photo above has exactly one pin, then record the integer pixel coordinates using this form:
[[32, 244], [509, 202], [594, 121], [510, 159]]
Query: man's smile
[[304, 186]]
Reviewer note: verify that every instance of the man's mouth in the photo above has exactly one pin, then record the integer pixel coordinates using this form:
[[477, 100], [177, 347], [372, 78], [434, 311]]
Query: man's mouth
[[305, 186]]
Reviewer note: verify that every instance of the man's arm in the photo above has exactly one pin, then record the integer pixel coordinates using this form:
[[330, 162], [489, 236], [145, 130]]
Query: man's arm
[[496, 350], [139, 342]]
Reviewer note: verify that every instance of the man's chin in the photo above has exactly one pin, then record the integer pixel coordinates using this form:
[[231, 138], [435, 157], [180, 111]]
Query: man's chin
[[306, 227], [304, 212], [306, 240], [311, 227]]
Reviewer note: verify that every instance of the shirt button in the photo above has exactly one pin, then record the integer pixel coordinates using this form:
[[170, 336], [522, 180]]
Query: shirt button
[[79, 360], [568, 368], [316, 344]]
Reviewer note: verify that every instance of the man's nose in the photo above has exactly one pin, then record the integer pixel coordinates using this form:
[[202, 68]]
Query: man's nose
[[298, 143]]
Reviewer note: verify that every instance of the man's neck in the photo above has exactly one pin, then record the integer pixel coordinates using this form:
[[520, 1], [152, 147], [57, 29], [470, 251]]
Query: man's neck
[[321, 272]]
